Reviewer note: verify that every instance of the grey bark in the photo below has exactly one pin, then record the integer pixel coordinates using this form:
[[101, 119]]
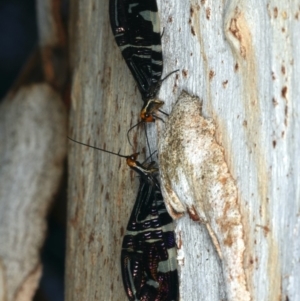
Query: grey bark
[[32, 153], [241, 59], [102, 189]]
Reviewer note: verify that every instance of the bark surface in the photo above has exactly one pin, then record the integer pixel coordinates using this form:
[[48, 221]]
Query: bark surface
[[241, 59]]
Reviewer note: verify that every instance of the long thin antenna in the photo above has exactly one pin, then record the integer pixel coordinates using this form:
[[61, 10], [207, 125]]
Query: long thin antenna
[[148, 144], [163, 113], [98, 148], [149, 157], [168, 75], [130, 131], [159, 118]]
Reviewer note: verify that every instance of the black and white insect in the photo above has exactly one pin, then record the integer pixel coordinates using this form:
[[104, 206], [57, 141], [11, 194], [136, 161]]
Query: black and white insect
[[148, 256], [136, 27]]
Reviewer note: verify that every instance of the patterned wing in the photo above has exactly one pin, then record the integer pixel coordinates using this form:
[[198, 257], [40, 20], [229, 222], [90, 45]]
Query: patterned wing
[[148, 258], [136, 27]]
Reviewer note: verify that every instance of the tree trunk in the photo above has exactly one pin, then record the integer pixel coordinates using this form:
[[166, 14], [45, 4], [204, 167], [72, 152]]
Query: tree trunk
[[32, 152], [33, 130], [102, 189], [241, 60]]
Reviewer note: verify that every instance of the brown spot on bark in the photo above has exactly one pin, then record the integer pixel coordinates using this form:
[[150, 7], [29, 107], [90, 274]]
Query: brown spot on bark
[[225, 84], [193, 31], [286, 111], [284, 92], [184, 73], [251, 261], [274, 143], [223, 181], [193, 214], [207, 11], [265, 228], [275, 12], [234, 29], [191, 12], [179, 240], [211, 74], [228, 241], [236, 67], [283, 69]]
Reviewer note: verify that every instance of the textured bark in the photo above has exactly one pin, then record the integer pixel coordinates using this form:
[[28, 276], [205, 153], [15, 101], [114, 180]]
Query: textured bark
[[241, 59], [32, 152], [195, 179], [33, 123], [102, 189], [52, 41]]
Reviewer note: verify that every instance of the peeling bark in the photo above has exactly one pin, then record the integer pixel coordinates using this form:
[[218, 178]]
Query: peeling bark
[[195, 178]]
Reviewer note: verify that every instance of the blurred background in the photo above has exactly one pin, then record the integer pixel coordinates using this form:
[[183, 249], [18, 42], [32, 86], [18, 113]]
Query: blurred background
[[18, 39]]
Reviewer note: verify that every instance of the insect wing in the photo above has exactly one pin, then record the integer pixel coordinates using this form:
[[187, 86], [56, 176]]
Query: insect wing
[[148, 258], [136, 27], [132, 259]]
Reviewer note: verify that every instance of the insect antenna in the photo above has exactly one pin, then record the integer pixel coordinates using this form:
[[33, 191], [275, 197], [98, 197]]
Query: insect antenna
[[159, 118], [131, 129], [146, 134], [162, 80], [166, 114], [98, 148], [149, 157], [148, 144]]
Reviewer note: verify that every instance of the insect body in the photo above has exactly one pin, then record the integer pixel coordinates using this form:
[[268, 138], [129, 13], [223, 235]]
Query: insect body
[[136, 27], [148, 257]]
